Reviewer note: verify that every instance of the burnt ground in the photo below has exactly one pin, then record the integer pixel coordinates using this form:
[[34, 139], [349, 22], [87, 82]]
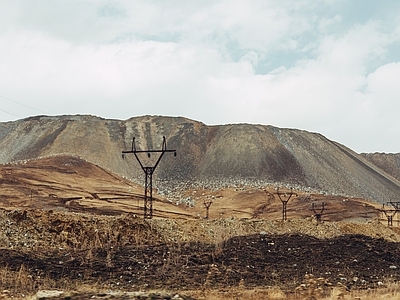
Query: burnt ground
[[54, 233], [63, 250], [356, 261]]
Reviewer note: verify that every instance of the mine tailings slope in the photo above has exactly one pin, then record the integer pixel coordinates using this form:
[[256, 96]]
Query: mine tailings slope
[[221, 154], [389, 162]]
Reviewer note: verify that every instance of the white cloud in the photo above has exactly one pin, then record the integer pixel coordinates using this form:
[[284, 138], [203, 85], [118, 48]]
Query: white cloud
[[325, 24], [383, 92], [201, 59]]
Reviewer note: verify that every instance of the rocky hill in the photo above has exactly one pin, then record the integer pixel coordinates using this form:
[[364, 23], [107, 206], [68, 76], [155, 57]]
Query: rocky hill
[[389, 162], [207, 155]]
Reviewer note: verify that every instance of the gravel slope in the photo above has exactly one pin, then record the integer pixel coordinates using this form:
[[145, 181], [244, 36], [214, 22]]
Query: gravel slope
[[207, 155]]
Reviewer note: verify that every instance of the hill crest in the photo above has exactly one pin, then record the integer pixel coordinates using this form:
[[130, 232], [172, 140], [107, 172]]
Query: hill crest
[[217, 154]]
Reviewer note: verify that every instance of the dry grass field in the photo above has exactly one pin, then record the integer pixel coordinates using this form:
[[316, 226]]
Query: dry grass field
[[71, 230]]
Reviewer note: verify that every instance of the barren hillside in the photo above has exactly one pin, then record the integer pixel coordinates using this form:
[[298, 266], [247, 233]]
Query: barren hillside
[[71, 184], [389, 162], [212, 156]]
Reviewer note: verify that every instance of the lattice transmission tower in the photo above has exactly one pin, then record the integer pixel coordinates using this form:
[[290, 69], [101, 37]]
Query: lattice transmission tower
[[148, 170]]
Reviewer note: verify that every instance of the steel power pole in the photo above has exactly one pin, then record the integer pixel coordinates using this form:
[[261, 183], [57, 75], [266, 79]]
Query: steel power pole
[[390, 212], [318, 211], [148, 172], [207, 203], [285, 197]]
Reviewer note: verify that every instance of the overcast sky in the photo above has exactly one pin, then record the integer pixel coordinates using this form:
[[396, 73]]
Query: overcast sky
[[327, 66]]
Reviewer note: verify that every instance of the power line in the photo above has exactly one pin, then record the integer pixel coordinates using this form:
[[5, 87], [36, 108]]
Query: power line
[[22, 105], [11, 113]]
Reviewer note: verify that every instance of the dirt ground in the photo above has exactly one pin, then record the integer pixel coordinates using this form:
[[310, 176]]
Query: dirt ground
[[72, 184], [73, 224], [62, 250], [256, 260]]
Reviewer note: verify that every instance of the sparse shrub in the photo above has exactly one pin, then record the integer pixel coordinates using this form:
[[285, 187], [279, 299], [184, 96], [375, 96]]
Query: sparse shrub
[[19, 280], [212, 277], [314, 288]]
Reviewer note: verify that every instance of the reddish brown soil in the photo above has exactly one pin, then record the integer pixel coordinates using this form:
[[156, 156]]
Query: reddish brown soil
[[41, 236], [71, 184]]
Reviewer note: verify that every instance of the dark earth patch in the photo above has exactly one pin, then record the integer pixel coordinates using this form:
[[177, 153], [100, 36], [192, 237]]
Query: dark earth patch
[[356, 261]]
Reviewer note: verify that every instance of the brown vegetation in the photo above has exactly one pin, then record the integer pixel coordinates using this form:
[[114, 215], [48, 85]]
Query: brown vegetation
[[67, 225], [65, 251]]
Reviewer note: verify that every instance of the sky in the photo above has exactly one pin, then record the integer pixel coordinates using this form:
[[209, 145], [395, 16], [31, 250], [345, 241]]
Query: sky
[[326, 66]]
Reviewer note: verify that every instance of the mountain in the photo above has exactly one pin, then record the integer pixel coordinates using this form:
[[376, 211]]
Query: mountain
[[215, 156]]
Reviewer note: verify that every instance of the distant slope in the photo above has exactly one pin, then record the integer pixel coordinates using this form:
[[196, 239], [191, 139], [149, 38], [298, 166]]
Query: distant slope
[[389, 162], [215, 155]]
